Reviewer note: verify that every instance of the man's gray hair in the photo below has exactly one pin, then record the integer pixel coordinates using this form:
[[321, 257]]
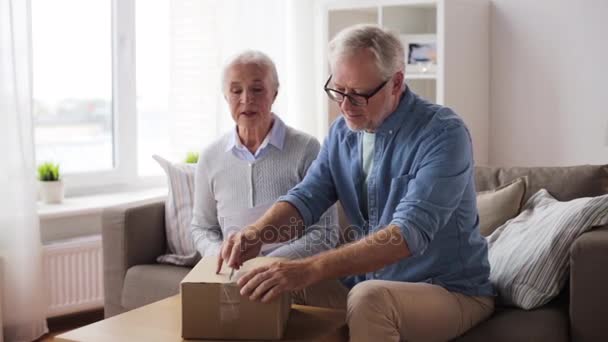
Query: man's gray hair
[[385, 45], [252, 57]]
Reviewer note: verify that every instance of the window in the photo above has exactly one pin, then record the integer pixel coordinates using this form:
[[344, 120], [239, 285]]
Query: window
[[152, 82], [72, 84], [177, 79], [116, 81], [180, 50]]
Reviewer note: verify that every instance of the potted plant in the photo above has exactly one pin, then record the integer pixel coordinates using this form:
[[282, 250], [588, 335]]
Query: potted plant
[[51, 184], [191, 158]]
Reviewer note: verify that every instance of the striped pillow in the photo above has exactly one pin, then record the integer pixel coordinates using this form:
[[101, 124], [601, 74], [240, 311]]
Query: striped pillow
[[529, 255], [178, 214]]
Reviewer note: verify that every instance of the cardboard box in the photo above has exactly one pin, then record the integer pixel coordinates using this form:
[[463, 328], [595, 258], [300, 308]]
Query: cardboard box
[[213, 308]]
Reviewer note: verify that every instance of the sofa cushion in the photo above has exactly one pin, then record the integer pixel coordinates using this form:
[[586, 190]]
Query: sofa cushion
[[497, 206], [178, 214], [564, 183], [529, 255], [548, 323], [145, 284]]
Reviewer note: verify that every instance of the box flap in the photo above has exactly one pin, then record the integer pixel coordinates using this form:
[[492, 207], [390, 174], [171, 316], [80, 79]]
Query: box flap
[[204, 271]]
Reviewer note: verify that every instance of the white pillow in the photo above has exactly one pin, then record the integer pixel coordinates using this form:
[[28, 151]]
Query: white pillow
[[529, 255], [178, 214]]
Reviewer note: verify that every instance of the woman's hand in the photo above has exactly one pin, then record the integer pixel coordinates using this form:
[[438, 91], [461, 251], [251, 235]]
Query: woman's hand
[[268, 282], [239, 247]]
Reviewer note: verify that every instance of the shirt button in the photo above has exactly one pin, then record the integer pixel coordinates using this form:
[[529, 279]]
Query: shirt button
[[377, 275], [390, 131]]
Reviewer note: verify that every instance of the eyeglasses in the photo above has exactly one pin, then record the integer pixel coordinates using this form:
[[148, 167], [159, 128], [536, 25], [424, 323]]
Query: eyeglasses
[[355, 99]]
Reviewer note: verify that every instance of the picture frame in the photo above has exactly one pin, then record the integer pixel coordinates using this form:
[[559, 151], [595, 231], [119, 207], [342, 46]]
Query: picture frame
[[420, 53]]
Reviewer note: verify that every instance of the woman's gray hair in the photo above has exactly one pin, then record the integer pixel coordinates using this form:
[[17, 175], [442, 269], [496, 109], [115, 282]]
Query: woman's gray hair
[[385, 45], [252, 57]]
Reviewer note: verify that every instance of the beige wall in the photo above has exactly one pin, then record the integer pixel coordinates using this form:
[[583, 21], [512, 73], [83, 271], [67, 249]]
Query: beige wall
[[549, 82], [1, 285]]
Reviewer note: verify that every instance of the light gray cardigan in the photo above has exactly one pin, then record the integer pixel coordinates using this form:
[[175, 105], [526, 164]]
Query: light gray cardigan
[[225, 184]]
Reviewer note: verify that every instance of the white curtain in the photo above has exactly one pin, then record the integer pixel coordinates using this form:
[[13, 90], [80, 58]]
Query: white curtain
[[22, 289], [284, 30], [204, 34]]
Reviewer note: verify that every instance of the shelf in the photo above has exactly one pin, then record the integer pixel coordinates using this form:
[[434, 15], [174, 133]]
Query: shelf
[[407, 19], [460, 30], [368, 10], [73, 206], [356, 4], [420, 76]]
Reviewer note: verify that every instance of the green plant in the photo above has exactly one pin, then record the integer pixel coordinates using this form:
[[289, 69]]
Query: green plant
[[191, 158], [48, 172]]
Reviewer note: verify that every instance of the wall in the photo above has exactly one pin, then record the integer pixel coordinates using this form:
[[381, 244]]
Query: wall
[[69, 227], [549, 68]]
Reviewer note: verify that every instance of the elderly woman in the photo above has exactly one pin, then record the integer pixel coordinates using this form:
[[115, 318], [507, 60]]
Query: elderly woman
[[242, 173]]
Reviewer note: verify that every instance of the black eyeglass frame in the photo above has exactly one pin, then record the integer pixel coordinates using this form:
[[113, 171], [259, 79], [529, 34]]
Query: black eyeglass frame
[[352, 100]]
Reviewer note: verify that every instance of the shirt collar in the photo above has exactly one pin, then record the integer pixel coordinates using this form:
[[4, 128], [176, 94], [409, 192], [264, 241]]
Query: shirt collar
[[275, 137], [395, 120]]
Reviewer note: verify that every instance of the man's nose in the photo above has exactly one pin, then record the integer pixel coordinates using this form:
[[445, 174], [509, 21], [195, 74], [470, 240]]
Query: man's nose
[[346, 104]]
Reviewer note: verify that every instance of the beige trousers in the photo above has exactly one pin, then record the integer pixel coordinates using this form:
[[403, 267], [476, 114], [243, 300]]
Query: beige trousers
[[380, 310]]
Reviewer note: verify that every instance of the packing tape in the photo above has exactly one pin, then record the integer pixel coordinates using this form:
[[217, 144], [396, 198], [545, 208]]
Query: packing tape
[[230, 298]]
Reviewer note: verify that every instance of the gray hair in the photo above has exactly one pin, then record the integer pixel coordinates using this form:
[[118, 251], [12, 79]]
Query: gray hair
[[385, 45], [252, 57]]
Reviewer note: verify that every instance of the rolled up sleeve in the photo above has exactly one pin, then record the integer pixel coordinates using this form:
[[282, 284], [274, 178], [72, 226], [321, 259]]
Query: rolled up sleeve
[[436, 188], [317, 238]]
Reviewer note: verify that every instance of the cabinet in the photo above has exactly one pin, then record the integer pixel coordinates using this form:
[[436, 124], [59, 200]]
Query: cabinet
[[453, 32]]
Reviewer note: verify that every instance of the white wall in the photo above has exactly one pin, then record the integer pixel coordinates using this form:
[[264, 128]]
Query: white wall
[[549, 82]]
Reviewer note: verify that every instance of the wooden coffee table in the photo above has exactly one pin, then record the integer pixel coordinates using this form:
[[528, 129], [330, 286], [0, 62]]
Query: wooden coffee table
[[161, 321]]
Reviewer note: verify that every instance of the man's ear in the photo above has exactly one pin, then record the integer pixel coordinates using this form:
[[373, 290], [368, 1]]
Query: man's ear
[[276, 93], [398, 80]]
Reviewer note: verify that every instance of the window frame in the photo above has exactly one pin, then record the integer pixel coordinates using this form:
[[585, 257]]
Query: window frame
[[124, 174]]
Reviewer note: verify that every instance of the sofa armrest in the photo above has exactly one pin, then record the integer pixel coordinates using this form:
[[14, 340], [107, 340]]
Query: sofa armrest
[[132, 234], [589, 286]]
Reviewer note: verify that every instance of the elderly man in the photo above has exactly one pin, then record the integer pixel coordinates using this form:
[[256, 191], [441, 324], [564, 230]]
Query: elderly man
[[402, 168]]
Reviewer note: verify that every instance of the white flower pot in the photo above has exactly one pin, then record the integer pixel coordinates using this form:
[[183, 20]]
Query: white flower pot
[[51, 192]]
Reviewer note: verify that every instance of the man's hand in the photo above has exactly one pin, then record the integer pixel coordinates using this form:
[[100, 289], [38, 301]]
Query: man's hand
[[238, 248], [268, 282]]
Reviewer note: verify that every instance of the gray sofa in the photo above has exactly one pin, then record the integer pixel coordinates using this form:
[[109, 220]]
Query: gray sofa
[[134, 236]]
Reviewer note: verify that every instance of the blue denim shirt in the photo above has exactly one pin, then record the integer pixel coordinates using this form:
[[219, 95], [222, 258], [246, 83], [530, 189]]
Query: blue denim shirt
[[422, 181]]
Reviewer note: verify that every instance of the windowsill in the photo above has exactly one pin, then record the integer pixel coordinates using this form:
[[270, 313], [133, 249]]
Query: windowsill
[[86, 205]]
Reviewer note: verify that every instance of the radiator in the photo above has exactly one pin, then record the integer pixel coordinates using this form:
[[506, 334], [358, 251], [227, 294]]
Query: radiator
[[73, 272]]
